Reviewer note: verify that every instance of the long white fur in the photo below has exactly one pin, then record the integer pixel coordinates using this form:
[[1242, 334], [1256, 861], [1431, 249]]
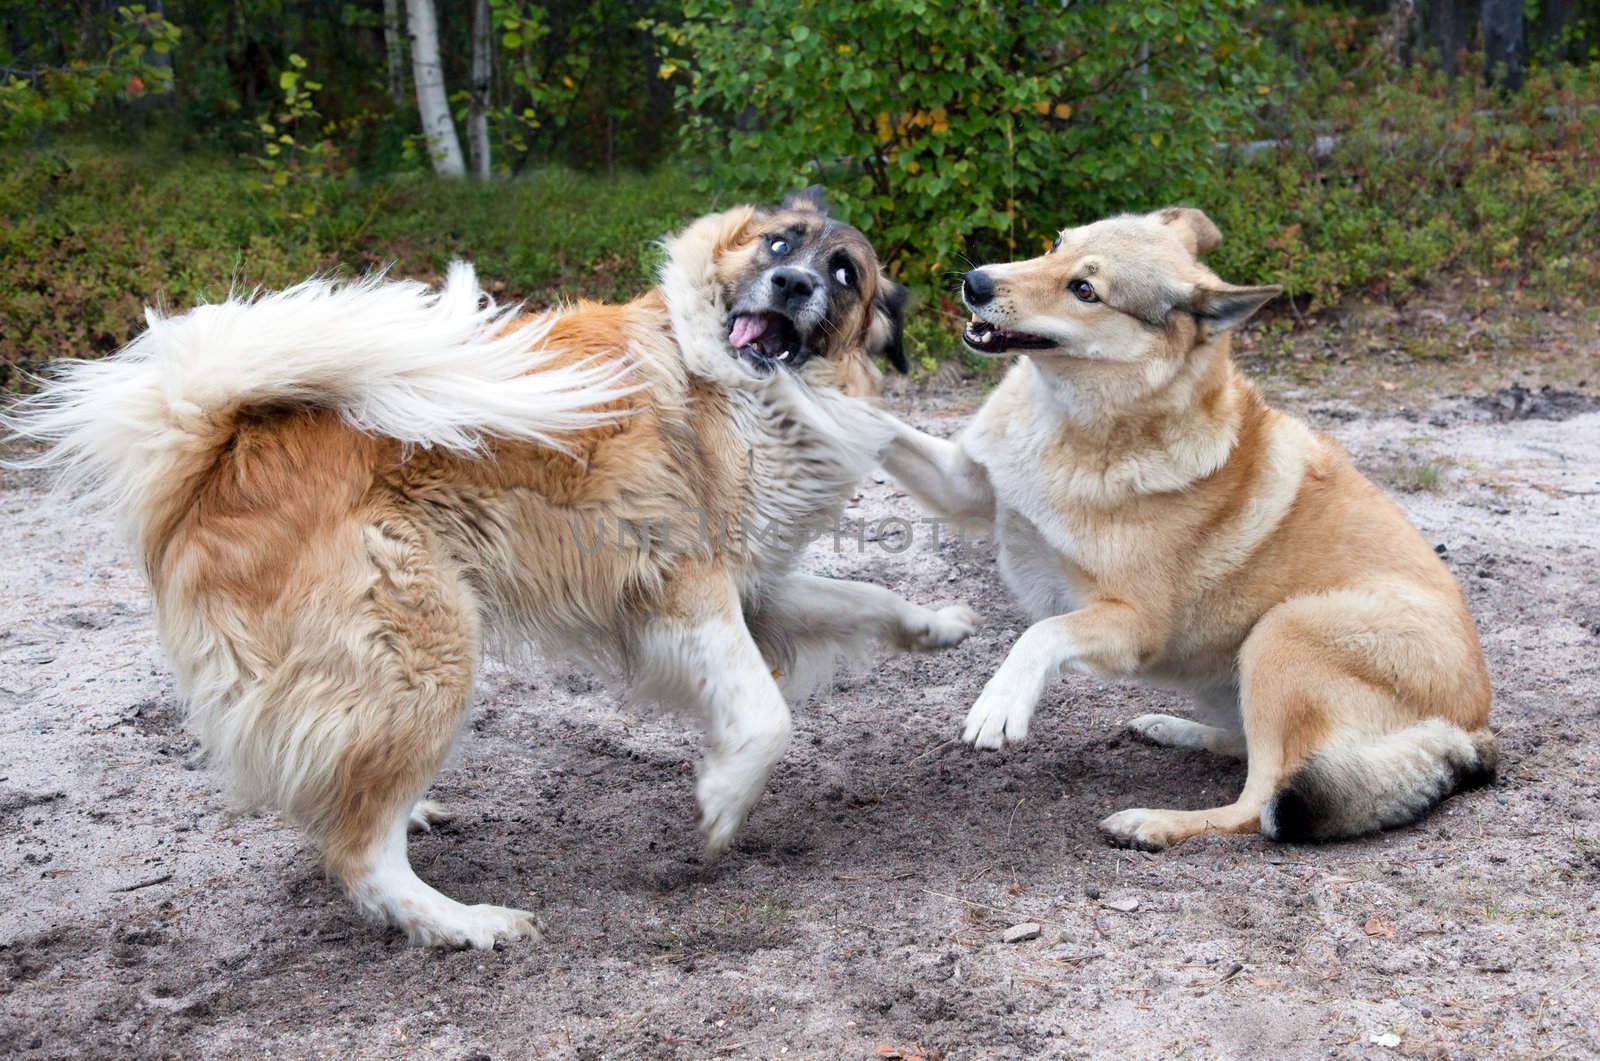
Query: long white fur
[[394, 358]]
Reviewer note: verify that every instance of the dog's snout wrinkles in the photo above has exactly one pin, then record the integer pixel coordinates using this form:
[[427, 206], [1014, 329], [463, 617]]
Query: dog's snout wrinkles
[[978, 288], [793, 283]]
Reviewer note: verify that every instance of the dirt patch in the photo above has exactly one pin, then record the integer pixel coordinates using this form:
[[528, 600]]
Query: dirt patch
[[864, 909], [1517, 402]]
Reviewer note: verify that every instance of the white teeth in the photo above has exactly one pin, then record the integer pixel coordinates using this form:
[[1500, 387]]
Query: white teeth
[[784, 356]]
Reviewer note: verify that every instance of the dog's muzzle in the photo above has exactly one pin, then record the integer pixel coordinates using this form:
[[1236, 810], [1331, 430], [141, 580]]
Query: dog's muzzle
[[775, 323]]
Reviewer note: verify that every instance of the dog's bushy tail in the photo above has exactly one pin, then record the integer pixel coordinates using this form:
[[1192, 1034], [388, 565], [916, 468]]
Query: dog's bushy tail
[[442, 368], [1353, 787]]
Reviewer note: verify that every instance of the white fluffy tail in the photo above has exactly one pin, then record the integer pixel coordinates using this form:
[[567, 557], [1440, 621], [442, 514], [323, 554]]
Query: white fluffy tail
[[394, 358], [1353, 787]]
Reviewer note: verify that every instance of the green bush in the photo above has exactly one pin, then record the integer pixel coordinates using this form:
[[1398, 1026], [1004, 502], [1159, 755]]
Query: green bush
[[92, 237], [976, 128], [1428, 176]]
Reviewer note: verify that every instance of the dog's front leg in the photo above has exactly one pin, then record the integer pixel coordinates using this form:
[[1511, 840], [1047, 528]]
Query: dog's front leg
[[1105, 637], [939, 474], [697, 653]]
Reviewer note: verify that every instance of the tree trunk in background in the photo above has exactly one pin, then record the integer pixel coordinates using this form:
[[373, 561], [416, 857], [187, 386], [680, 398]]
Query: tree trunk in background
[[443, 146], [478, 92], [395, 48], [169, 88], [1502, 42], [1552, 20], [1449, 25]]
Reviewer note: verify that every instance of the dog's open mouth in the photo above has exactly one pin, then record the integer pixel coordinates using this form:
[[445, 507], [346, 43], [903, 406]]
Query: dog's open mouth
[[766, 338], [988, 338]]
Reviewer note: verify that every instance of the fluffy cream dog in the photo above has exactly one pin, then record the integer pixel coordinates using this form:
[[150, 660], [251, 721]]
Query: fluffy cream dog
[[1160, 522], [339, 494]]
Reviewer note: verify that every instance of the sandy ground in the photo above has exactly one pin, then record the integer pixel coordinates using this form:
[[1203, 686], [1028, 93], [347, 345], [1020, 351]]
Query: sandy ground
[[861, 914]]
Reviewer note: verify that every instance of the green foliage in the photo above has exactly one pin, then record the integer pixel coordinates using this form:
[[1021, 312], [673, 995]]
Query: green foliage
[[129, 58], [977, 127], [94, 236], [1427, 176], [582, 81], [297, 153]]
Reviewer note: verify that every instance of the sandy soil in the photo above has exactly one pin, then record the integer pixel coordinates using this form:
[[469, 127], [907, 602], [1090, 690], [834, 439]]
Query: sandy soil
[[862, 912]]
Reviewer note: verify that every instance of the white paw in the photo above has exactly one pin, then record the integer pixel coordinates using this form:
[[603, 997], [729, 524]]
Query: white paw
[[1001, 714], [1157, 729], [426, 814], [1136, 827], [726, 799], [453, 924], [944, 628]]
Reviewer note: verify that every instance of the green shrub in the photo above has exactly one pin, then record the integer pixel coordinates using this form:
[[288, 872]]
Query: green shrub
[[1428, 176], [977, 128], [92, 237]]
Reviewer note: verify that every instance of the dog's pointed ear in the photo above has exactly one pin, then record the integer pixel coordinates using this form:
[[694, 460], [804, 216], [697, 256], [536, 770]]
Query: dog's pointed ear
[[1197, 231], [886, 335], [1223, 307], [811, 198]]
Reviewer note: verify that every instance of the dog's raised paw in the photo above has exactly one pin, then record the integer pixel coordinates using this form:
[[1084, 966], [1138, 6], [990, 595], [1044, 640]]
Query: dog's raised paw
[[943, 628], [1136, 828], [725, 802]]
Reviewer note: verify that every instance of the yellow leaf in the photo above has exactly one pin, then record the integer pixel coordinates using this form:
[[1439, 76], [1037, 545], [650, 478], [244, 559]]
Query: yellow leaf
[[1063, 111], [844, 49], [1264, 89], [1043, 106], [567, 81], [1155, 139], [666, 71], [913, 167]]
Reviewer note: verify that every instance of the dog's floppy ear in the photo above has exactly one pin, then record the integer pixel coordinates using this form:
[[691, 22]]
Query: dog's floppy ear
[[811, 198], [1197, 231], [1222, 307], [886, 335]]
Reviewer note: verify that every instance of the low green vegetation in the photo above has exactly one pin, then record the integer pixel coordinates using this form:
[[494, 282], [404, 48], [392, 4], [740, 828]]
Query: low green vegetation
[[94, 235]]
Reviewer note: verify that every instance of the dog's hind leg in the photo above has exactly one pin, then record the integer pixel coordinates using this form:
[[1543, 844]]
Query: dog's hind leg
[[697, 653], [1170, 731], [1294, 692], [411, 679], [805, 622], [426, 813]]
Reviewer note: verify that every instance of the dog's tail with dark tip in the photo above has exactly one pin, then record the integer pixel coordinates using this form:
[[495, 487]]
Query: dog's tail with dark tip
[[1353, 787]]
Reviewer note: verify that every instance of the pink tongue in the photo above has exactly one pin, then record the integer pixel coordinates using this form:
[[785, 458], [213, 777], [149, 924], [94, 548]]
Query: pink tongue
[[747, 328]]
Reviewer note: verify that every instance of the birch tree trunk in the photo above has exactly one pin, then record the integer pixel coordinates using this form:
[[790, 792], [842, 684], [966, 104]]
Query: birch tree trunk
[[443, 146], [478, 95], [394, 46]]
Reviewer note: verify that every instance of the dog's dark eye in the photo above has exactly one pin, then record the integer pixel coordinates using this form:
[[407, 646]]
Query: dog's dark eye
[[843, 273], [779, 246], [1056, 245], [1084, 290]]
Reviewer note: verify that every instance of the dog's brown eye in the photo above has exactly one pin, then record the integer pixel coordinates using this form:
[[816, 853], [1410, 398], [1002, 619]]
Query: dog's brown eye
[[1084, 290]]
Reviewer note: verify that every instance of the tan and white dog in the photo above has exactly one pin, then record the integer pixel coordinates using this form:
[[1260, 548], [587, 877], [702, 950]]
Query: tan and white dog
[[341, 493], [1159, 522]]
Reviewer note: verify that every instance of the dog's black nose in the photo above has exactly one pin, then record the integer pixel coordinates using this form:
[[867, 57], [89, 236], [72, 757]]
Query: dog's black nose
[[793, 283], [977, 288]]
